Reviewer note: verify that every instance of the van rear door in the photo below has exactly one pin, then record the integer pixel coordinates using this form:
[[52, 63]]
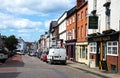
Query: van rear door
[[62, 54]]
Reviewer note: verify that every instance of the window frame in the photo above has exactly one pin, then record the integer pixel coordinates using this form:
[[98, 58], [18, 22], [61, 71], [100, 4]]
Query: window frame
[[112, 46], [94, 46]]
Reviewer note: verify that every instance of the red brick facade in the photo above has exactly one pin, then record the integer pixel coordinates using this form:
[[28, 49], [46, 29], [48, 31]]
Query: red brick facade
[[112, 60], [79, 2], [119, 54], [92, 56]]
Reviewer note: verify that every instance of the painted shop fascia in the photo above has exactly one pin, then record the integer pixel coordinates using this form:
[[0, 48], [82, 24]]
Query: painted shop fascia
[[104, 50], [103, 37]]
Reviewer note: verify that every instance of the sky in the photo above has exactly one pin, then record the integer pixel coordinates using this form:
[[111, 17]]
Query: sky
[[29, 19]]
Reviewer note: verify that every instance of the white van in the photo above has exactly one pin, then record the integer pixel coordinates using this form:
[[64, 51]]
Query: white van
[[57, 55]]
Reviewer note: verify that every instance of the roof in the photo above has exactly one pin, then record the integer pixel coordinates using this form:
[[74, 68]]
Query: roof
[[71, 11], [52, 24]]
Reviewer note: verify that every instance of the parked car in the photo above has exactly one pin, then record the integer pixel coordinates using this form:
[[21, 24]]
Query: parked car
[[57, 55], [32, 53], [19, 52], [39, 55], [3, 55], [44, 57]]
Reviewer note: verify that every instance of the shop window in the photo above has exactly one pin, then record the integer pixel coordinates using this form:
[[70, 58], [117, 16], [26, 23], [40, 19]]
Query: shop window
[[112, 48], [80, 52], [86, 52], [83, 52], [93, 47]]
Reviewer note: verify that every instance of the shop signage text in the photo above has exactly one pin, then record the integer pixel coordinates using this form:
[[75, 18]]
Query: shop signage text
[[102, 38]]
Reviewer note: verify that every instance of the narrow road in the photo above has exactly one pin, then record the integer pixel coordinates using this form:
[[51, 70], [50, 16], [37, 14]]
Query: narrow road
[[32, 67]]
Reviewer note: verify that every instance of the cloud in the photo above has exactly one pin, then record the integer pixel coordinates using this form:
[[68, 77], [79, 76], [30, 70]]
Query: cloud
[[8, 21], [25, 23], [47, 23], [35, 6], [30, 18]]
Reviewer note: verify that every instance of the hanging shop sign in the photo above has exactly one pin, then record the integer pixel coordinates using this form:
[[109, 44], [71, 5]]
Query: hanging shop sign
[[93, 22]]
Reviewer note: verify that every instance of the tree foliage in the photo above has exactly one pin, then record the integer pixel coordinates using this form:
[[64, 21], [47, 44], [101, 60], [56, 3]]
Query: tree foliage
[[11, 42]]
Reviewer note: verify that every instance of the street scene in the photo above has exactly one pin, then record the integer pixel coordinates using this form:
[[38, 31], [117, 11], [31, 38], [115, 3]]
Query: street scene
[[31, 67], [59, 39], [24, 66]]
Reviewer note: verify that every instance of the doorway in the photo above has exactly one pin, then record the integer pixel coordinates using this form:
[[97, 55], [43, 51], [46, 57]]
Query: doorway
[[103, 53]]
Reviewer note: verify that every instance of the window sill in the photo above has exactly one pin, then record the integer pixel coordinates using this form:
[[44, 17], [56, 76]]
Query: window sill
[[112, 54], [93, 52]]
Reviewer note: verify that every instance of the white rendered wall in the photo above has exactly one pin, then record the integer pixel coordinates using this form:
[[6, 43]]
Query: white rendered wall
[[115, 15], [62, 27]]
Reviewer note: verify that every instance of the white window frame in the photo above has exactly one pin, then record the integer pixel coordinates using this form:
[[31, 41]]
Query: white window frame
[[111, 54], [94, 46]]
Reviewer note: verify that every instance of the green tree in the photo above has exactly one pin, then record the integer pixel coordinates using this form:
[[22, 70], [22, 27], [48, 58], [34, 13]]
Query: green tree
[[11, 42]]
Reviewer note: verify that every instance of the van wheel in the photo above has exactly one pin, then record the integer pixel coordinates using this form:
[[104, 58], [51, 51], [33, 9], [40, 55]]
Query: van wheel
[[50, 62], [64, 63], [3, 61]]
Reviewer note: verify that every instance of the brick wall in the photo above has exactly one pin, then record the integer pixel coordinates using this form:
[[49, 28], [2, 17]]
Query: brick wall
[[82, 24], [112, 60], [92, 56], [79, 2], [119, 54]]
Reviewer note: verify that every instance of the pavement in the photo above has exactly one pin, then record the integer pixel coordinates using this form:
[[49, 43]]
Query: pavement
[[17, 59], [11, 64], [95, 71]]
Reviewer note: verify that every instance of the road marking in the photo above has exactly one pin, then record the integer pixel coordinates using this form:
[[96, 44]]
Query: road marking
[[8, 69]]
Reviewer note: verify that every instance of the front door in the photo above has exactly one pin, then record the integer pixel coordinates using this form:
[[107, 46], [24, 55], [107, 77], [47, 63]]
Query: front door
[[103, 52]]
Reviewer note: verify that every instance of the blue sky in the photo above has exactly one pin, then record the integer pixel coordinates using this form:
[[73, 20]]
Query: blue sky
[[30, 18]]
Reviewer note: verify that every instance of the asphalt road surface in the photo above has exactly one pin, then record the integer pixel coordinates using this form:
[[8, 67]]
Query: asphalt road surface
[[32, 67]]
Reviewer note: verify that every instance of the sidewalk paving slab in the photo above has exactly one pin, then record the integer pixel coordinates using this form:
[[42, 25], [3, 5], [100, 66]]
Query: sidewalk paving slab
[[94, 71]]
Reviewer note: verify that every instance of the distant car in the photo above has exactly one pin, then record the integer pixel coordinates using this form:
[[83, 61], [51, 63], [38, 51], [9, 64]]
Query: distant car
[[44, 57], [39, 55], [3, 56], [32, 54], [19, 52]]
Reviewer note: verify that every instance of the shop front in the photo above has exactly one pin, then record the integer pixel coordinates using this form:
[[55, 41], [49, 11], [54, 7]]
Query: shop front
[[82, 52], [70, 49], [105, 51]]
